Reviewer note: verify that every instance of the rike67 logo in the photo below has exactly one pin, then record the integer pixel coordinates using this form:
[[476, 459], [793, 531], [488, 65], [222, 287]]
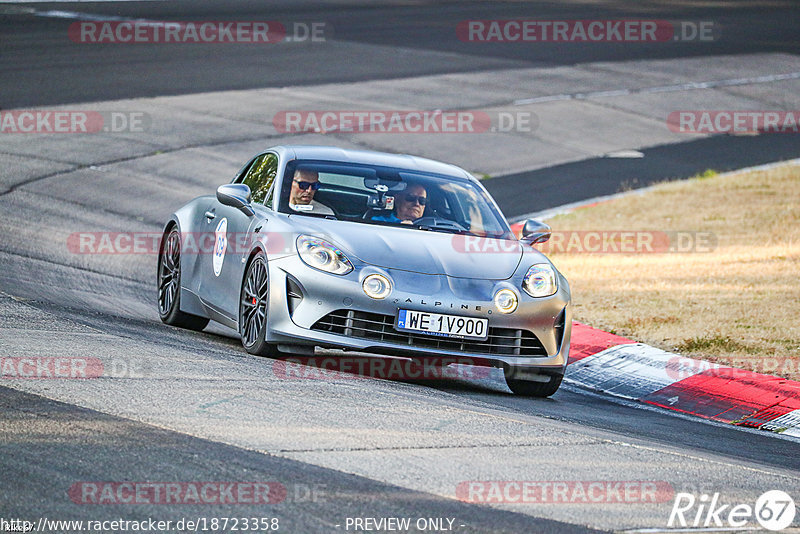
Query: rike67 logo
[[773, 510]]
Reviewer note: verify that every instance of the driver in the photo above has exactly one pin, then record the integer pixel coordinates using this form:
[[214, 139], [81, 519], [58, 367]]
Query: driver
[[408, 205], [301, 197]]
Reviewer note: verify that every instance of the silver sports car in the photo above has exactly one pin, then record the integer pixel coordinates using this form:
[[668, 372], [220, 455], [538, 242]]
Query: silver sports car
[[381, 253]]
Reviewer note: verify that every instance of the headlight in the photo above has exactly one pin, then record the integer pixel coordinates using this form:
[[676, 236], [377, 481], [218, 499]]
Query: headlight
[[540, 280], [320, 254], [505, 301], [377, 286]]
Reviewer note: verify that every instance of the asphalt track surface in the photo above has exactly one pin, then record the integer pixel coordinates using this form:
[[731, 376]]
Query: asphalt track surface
[[199, 409], [393, 35], [595, 177]]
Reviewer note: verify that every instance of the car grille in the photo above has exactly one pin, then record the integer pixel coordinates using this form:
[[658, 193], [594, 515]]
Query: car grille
[[380, 327]]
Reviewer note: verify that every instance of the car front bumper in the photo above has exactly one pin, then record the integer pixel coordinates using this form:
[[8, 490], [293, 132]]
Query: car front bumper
[[305, 302]]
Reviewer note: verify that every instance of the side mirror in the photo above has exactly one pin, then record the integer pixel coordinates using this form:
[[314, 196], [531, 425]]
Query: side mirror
[[236, 195], [535, 232]]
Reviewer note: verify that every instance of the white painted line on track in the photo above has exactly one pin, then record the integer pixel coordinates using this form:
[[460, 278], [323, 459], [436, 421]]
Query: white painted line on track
[[712, 84], [625, 154], [56, 14], [7, 9], [73, 1]]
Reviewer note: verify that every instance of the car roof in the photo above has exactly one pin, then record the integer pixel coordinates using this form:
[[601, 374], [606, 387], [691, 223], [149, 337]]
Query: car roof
[[369, 157]]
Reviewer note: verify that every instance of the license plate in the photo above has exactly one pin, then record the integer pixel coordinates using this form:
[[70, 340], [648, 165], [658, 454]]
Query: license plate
[[438, 324]]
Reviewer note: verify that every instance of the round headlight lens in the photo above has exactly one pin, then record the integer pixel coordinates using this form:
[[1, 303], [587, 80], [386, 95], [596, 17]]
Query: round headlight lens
[[540, 280], [320, 254], [376, 286], [506, 301]]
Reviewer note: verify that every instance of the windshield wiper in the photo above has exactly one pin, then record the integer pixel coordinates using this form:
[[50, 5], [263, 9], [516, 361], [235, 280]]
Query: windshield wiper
[[442, 229]]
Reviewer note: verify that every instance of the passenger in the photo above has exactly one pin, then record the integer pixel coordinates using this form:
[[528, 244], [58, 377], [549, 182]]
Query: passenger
[[301, 197]]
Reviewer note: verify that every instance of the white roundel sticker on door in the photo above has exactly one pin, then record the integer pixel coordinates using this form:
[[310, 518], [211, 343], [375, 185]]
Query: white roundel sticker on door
[[220, 245]]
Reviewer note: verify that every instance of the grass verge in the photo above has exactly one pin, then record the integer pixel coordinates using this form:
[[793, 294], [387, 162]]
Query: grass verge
[[732, 296]]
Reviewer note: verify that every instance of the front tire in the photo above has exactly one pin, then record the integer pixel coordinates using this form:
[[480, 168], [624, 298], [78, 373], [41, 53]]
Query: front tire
[[253, 302], [169, 285], [529, 388]]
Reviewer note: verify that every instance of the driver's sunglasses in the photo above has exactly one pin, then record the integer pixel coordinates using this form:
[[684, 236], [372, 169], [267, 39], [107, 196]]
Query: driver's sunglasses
[[305, 185], [411, 199]]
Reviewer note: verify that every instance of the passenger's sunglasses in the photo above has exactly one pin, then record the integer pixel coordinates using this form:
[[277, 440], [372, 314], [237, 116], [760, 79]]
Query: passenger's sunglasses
[[411, 199], [305, 185]]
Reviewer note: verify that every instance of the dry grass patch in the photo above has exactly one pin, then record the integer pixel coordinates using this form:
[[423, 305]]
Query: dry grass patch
[[737, 305]]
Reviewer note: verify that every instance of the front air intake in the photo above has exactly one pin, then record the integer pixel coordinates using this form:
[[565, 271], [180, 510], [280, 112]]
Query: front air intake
[[380, 327]]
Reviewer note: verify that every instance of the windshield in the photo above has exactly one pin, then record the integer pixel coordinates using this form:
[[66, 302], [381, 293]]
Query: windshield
[[389, 196]]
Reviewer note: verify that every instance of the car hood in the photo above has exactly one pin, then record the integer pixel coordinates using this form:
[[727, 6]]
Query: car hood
[[420, 251]]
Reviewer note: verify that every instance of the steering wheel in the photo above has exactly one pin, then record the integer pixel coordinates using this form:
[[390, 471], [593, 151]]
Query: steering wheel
[[438, 222]]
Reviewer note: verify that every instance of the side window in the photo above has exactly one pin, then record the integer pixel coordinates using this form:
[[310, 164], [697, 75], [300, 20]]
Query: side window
[[260, 177]]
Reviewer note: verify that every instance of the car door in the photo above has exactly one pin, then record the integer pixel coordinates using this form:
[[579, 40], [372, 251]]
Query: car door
[[232, 232]]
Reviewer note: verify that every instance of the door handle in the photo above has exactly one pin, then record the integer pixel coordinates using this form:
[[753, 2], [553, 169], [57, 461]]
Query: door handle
[[210, 215]]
